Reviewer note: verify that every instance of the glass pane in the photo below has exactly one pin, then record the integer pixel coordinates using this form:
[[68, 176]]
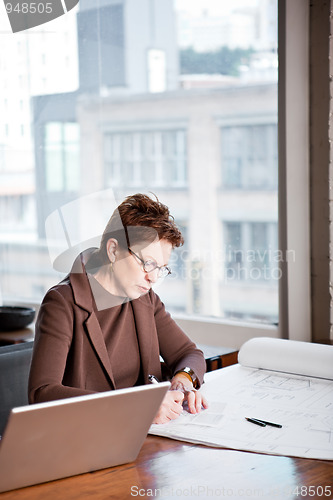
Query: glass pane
[[54, 169], [72, 172], [71, 133], [176, 98], [53, 133]]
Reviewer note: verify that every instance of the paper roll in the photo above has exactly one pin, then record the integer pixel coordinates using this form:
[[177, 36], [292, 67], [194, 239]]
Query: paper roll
[[289, 356]]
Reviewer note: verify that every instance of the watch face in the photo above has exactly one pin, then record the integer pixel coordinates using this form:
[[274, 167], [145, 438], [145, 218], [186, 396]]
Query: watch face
[[192, 375]]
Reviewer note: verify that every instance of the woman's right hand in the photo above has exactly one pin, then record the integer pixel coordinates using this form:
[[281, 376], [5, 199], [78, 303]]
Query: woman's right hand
[[170, 408]]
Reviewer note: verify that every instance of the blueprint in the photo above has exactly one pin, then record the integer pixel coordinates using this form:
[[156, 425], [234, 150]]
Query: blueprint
[[303, 405]]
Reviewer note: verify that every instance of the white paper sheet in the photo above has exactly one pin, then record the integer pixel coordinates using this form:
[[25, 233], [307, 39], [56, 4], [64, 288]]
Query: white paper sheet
[[303, 405]]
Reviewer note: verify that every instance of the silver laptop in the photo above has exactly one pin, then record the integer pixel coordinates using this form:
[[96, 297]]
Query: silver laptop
[[48, 441]]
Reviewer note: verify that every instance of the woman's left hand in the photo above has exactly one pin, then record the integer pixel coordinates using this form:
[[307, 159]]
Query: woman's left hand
[[195, 400]]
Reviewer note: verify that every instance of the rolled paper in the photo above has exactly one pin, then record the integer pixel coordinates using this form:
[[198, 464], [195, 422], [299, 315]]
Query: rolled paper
[[289, 356]]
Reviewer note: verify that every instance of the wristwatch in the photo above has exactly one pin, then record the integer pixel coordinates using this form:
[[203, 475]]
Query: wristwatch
[[191, 375]]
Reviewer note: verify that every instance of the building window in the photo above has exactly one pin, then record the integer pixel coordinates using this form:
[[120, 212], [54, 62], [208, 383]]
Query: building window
[[233, 250], [179, 256], [14, 210], [249, 288], [146, 158], [62, 157], [249, 157], [251, 252]]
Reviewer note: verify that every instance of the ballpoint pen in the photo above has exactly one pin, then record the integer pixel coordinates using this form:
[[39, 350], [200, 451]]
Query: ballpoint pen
[[262, 423], [153, 380]]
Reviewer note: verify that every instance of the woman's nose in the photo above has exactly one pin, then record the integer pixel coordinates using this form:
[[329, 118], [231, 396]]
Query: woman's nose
[[152, 277]]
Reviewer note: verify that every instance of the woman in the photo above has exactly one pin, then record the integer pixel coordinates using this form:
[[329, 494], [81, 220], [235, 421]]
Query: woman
[[103, 327]]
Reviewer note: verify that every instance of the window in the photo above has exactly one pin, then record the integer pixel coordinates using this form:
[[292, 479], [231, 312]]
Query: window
[[252, 271], [250, 255], [174, 98], [234, 253], [249, 156], [61, 157], [14, 209], [146, 159]]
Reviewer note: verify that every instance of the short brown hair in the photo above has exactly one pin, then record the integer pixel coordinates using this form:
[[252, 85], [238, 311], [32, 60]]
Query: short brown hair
[[141, 210], [139, 218]]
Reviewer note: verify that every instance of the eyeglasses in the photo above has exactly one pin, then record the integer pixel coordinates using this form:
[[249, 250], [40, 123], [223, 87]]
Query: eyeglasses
[[150, 266]]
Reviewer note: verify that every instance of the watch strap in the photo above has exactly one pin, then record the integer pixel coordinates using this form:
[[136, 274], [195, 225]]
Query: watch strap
[[187, 371]]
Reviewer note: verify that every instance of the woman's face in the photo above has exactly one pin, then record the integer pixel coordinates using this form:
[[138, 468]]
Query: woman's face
[[128, 277]]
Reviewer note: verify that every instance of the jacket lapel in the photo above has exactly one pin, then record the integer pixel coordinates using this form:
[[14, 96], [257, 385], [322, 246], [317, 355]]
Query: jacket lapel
[[147, 337], [97, 339], [83, 298]]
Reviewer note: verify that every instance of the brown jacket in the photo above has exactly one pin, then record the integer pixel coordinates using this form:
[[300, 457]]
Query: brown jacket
[[70, 356]]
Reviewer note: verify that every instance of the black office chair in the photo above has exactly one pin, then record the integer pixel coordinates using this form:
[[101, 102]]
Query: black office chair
[[15, 363]]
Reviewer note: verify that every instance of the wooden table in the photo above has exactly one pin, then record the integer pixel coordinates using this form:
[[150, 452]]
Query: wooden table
[[171, 469], [218, 357]]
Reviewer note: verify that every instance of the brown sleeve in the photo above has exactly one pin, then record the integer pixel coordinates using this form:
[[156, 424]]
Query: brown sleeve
[[54, 331], [177, 350]]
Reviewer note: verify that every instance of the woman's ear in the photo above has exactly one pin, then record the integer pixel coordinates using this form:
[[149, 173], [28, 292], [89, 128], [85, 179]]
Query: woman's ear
[[111, 248]]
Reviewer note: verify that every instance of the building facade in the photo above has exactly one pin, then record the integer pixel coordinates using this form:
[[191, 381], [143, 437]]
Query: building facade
[[211, 156]]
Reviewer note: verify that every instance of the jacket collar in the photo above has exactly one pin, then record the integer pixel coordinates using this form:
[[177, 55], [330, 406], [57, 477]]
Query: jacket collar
[[80, 283]]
